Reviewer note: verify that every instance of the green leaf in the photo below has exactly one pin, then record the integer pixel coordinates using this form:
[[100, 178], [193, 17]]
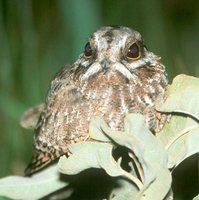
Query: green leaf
[[4, 198], [35, 187], [183, 96], [181, 139], [196, 198], [125, 190], [95, 130], [93, 155], [149, 151], [84, 156]]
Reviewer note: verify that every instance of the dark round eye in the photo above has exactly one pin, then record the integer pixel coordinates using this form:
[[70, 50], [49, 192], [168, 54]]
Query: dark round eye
[[88, 50], [133, 52]]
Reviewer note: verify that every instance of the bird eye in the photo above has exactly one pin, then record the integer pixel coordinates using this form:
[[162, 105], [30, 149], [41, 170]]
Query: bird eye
[[133, 52], [88, 50]]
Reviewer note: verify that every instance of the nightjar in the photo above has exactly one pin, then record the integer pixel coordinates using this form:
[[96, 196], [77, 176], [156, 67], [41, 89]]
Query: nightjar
[[115, 75]]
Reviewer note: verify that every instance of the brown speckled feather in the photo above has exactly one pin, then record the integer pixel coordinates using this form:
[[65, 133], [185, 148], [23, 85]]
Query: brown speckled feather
[[108, 80]]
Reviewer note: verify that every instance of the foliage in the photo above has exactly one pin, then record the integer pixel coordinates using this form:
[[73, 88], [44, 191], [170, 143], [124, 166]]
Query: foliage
[[151, 159], [41, 184], [38, 37]]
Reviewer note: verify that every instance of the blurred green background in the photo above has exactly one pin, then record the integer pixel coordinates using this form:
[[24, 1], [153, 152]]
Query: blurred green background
[[38, 37]]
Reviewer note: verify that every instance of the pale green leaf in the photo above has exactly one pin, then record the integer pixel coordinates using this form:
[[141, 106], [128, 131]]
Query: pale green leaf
[[150, 153], [35, 187], [93, 155], [84, 155], [183, 96], [125, 190], [196, 198], [181, 139], [184, 147], [95, 130]]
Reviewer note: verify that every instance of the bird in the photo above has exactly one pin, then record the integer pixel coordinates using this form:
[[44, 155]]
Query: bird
[[114, 75]]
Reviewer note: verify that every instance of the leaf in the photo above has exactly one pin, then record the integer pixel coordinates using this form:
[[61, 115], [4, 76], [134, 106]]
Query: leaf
[[95, 130], [183, 96], [150, 153], [84, 156], [154, 158], [125, 190], [4, 198], [93, 155], [181, 139], [35, 187], [196, 198], [180, 135]]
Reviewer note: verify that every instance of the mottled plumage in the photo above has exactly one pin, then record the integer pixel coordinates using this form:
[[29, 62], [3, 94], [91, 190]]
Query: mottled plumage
[[115, 75]]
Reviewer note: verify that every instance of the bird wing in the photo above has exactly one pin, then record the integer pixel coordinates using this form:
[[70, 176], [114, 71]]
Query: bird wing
[[31, 116], [45, 153], [39, 160]]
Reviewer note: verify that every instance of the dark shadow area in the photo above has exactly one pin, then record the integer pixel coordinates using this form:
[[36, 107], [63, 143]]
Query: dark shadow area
[[91, 184], [185, 179], [123, 152]]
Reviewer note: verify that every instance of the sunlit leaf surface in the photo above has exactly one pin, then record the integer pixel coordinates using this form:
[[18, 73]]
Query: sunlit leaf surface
[[183, 96], [35, 187]]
